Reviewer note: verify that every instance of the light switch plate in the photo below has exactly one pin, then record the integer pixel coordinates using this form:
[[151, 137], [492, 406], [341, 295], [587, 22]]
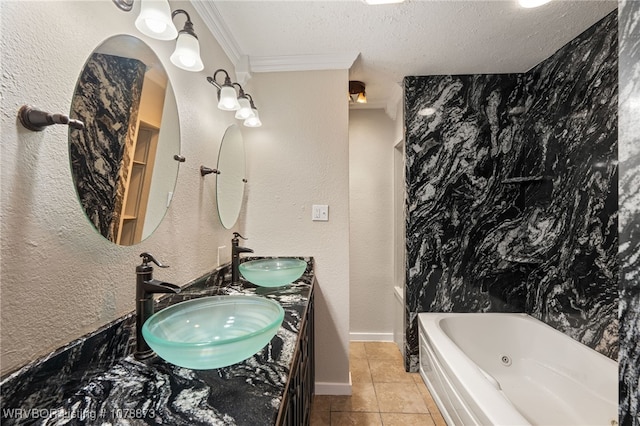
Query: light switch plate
[[320, 212]]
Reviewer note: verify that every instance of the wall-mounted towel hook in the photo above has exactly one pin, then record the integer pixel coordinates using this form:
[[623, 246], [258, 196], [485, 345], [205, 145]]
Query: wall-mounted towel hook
[[206, 170], [179, 158], [36, 120]]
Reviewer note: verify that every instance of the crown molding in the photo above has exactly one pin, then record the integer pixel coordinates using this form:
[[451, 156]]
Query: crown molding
[[302, 62], [214, 22], [221, 32]]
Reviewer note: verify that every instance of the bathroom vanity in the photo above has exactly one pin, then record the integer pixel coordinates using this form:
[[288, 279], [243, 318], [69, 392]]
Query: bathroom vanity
[[96, 379]]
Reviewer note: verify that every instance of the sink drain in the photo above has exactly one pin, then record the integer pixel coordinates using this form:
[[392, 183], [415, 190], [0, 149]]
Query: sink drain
[[506, 361]]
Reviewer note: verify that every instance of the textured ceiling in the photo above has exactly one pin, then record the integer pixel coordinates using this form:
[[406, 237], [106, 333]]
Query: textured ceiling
[[393, 41]]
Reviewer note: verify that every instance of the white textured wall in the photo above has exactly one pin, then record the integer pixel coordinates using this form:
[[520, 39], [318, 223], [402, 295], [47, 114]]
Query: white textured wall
[[59, 278], [372, 136], [301, 158]]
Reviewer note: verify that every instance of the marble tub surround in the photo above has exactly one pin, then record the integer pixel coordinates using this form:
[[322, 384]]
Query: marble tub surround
[[96, 379], [629, 203], [512, 192]]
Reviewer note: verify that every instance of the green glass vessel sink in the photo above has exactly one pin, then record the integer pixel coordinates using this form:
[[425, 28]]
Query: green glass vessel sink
[[273, 272], [213, 332]]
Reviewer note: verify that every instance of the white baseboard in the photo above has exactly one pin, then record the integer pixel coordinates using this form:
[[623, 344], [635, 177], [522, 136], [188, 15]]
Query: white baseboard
[[371, 337], [324, 388]]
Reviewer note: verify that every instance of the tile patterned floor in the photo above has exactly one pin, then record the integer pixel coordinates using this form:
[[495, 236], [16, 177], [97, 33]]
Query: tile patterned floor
[[383, 394]]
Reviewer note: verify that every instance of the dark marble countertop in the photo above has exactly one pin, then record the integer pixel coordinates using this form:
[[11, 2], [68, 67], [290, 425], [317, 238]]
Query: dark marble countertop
[[86, 383]]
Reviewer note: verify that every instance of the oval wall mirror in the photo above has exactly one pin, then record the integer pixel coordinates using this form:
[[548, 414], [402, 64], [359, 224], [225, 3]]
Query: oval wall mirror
[[231, 178], [124, 163]]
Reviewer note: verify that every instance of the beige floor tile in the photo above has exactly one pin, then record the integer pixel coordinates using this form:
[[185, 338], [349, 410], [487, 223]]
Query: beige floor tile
[[383, 393], [382, 350], [356, 350], [363, 398], [386, 370], [428, 399], [404, 419], [355, 419], [320, 418], [321, 402], [399, 398], [360, 371]]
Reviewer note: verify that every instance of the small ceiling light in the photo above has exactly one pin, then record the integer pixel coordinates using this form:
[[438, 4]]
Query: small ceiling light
[[227, 98], [253, 121], [245, 110], [155, 21], [532, 3], [357, 92], [187, 53]]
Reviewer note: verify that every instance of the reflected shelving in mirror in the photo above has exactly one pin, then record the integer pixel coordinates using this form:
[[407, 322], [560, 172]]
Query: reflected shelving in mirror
[[124, 162]]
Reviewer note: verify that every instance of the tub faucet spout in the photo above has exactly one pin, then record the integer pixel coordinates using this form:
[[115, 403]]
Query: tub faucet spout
[[235, 256], [146, 287]]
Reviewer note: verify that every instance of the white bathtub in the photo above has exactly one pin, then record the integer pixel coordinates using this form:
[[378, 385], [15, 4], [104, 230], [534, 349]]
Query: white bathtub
[[511, 369]]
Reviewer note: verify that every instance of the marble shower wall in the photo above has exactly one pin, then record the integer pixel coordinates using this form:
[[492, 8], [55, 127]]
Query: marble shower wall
[[629, 202], [512, 192], [107, 100]]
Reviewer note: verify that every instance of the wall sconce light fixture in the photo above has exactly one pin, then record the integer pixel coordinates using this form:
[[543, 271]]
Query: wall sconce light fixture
[[242, 102], [245, 110], [187, 53], [227, 98], [253, 120], [357, 92], [156, 21]]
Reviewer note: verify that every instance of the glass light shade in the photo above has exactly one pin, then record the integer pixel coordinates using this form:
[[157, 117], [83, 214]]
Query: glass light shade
[[362, 98], [245, 110], [187, 53], [532, 3], [155, 21], [253, 121], [228, 99]]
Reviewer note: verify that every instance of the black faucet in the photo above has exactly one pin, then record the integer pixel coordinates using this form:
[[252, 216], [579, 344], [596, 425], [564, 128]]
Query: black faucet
[[235, 257], [146, 287]]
